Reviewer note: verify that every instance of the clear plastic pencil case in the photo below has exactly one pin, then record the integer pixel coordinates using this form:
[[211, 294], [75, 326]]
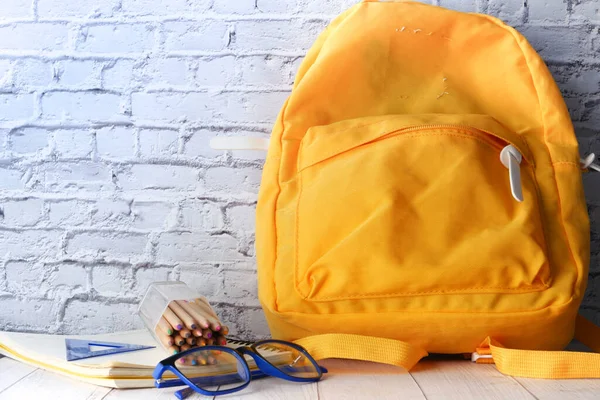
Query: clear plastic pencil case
[[159, 296]]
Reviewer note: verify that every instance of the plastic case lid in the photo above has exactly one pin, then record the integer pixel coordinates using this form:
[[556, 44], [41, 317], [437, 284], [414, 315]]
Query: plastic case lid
[[157, 299]]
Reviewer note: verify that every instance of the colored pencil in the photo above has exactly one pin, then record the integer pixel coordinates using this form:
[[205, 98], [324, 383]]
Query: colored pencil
[[186, 318], [179, 341], [173, 319], [198, 316], [165, 326]]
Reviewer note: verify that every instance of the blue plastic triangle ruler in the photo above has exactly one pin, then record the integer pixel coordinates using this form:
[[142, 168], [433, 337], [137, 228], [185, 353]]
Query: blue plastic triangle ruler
[[78, 349]]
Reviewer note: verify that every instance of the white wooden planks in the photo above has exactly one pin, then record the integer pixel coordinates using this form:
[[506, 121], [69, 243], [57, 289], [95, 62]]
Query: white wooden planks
[[568, 389], [42, 385], [431, 380], [463, 380], [11, 372]]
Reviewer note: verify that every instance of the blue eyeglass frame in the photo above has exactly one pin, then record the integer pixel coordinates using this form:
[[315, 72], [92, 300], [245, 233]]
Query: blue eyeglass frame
[[265, 368]]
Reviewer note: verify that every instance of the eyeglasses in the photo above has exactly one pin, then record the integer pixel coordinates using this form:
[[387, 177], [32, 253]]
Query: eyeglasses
[[218, 370]]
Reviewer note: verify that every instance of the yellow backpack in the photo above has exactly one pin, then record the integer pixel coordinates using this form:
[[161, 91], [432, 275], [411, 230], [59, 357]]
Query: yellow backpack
[[422, 193]]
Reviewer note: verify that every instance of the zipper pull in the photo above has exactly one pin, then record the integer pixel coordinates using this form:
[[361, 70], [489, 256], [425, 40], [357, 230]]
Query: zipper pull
[[511, 158], [588, 162]]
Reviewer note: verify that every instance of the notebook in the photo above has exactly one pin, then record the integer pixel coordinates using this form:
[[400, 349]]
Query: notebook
[[122, 370]]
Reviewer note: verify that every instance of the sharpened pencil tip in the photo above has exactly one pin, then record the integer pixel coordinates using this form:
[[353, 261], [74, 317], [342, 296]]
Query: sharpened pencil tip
[[179, 327], [193, 326]]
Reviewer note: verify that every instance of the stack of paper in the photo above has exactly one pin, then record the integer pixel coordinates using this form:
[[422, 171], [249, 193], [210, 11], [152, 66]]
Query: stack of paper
[[123, 370]]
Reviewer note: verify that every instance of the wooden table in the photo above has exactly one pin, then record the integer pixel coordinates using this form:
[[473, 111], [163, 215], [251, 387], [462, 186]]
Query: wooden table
[[353, 380]]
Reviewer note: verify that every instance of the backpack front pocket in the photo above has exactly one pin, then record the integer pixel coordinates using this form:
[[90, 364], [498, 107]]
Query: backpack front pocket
[[395, 207]]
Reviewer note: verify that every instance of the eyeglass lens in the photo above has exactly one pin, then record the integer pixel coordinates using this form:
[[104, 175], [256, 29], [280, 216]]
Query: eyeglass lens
[[288, 359]]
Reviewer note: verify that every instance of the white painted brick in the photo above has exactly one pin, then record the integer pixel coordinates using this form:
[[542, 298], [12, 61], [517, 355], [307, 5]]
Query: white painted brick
[[241, 287], [459, 5], [206, 280], [256, 324], [164, 71], [32, 73], [170, 105], [508, 11], [6, 73], [79, 8], [69, 213], [3, 139], [16, 106], [10, 179], [29, 140], [276, 34], [118, 75], [211, 35], [108, 280], [33, 36], [192, 106], [164, 7], [260, 70], [94, 317], [81, 106], [28, 243], [586, 10], [97, 245], [15, 9], [70, 275], [22, 212], [201, 215], [542, 10], [75, 176], [26, 314], [160, 177], [232, 180], [242, 218], [586, 81], [117, 38], [73, 143], [332, 7], [195, 247], [214, 72], [25, 276], [197, 144], [565, 43], [110, 213], [116, 142], [234, 7], [276, 6], [79, 74], [145, 276], [150, 214], [158, 142]]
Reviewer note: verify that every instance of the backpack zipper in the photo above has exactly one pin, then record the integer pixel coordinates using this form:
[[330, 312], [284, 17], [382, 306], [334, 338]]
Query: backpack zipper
[[510, 156]]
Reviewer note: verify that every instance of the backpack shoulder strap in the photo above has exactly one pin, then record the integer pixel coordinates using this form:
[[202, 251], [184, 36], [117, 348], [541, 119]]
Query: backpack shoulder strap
[[522, 363], [365, 348], [549, 364]]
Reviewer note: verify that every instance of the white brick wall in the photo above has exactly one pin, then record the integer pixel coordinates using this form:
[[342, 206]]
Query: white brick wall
[[107, 182]]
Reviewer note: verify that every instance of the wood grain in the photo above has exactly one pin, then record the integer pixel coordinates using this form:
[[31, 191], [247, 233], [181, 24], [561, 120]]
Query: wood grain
[[463, 380], [41, 385], [351, 380], [274, 389], [12, 371], [571, 389]]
